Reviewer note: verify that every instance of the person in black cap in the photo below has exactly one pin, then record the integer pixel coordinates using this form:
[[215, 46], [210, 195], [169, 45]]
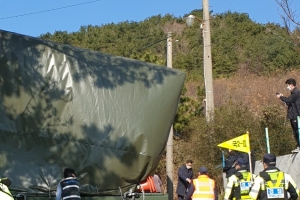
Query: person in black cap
[[239, 184], [4, 191], [273, 183], [68, 188], [230, 161], [203, 187]]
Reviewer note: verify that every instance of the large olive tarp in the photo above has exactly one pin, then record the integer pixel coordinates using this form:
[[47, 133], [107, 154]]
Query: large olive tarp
[[106, 116]]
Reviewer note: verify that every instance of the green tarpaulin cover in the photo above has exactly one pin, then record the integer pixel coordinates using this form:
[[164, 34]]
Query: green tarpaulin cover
[[108, 117]]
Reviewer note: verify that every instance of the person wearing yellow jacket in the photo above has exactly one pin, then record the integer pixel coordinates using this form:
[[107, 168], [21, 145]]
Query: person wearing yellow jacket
[[239, 184], [204, 188], [273, 183], [4, 191]]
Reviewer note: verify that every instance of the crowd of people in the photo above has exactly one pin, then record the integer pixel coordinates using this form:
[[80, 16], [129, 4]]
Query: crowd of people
[[270, 183], [68, 188]]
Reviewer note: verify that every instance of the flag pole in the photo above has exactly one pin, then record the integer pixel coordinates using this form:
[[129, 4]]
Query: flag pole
[[250, 160], [223, 159], [250, 165], [240, 143]]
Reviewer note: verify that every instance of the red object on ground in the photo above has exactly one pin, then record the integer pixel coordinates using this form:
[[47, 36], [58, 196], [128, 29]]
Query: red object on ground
[[147, 185]]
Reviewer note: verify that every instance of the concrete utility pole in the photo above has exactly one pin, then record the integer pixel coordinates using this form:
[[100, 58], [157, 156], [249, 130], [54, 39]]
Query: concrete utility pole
[[207, 63], [169, 156]]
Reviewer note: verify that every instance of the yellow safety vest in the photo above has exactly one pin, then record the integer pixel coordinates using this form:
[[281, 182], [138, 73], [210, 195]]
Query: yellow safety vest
[[5, 193], [277, 181], [244, 190], [204, 188]]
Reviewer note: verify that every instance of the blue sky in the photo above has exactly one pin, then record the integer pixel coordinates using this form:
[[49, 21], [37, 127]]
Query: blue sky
[[100, 12]]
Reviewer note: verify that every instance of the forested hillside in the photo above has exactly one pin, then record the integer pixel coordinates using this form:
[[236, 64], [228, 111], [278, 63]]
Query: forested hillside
[[251, 62], [236, 41]]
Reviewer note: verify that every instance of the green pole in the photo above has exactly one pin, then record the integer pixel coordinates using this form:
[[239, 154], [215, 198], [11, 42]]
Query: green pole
[[267, 140], [298, 121]]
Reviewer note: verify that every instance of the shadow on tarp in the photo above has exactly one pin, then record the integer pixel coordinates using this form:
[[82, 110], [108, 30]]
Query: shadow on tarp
[[107, 117]]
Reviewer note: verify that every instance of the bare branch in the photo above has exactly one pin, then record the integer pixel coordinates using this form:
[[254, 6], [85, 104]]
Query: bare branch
[[290, 19]]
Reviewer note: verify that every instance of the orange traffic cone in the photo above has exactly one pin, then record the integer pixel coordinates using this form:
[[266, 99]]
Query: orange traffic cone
[[147, 185]]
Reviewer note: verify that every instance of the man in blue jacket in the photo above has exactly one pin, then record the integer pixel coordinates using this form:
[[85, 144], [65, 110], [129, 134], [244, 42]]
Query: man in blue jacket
[[185, 178], [69, 187]]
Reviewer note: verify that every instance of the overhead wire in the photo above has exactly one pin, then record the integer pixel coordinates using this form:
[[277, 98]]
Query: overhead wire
[[79, 4], [49, 10], [235, 5]]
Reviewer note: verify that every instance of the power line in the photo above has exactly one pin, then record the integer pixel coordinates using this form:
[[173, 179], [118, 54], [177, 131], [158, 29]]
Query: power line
[[38, 12], [145, 47], [235, 6]]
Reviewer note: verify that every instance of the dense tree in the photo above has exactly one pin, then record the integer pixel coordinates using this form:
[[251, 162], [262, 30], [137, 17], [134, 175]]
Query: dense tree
[[236, 41], [238, 44]]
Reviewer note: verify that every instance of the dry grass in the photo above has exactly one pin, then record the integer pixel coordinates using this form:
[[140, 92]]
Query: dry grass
[[256, 93]]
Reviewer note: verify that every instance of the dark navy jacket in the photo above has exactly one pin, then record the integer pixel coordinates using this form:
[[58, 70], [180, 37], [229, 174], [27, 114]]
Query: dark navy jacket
[[183, 174]]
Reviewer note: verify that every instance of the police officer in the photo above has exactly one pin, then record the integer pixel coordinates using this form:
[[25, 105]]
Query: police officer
[[4, 191], [239, 184], [68, 188], [272, 183]]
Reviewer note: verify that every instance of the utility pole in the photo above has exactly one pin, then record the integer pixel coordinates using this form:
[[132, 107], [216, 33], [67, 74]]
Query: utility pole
[[207, 63], [169, 154]]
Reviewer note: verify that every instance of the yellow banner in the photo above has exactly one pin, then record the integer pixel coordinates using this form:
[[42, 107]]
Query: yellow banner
[[241, 143]]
